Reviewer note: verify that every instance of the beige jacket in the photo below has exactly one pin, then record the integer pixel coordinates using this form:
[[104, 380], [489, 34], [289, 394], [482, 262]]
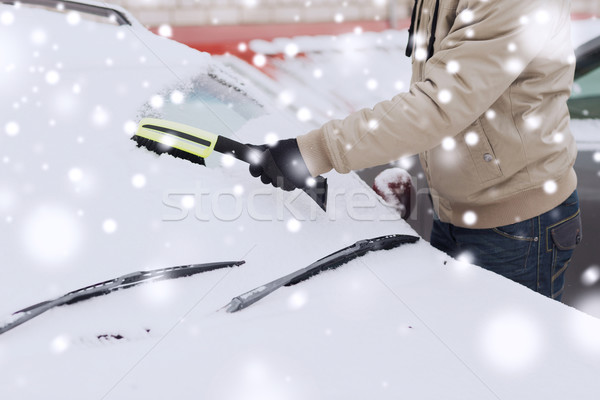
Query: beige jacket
[[486, 112]]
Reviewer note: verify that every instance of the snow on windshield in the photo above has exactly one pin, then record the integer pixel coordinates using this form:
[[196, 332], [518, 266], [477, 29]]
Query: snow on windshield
[[206, 101]]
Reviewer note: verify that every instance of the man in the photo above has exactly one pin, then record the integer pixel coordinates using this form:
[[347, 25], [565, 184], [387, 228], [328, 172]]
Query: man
[[487, 113]]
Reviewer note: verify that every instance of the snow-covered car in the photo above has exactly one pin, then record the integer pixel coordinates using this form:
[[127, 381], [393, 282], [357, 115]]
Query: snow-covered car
[[80, 204]]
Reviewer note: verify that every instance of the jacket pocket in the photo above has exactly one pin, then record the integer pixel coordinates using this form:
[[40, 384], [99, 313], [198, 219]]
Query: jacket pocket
[[482, 153]]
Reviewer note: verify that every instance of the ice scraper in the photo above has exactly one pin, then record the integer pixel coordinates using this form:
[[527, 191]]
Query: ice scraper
[[195, 144]]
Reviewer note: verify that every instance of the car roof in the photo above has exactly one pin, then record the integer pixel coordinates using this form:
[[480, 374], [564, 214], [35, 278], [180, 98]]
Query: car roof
[[588, 57]]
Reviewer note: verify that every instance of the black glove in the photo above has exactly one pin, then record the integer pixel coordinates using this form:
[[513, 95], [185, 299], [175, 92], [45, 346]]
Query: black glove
[[281, 165]]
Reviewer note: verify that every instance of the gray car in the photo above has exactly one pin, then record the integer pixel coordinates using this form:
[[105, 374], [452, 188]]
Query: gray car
[[584, 105]]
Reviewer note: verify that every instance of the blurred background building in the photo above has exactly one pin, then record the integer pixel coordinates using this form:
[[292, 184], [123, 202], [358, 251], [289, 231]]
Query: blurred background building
[[225, 26], [243, 12]]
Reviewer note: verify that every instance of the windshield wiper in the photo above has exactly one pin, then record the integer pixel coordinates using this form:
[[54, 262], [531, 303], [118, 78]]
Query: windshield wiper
[[331, 261], [106, 287]]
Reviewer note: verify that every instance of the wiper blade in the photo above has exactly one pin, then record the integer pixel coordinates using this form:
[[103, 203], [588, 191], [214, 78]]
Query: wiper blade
[[331, 261], [113, 285]]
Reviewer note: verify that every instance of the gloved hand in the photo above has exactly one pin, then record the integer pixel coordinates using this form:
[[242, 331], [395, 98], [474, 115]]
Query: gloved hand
[[281, 165]]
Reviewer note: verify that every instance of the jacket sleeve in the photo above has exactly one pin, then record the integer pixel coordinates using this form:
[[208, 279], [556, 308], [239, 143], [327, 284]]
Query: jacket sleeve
[[491, 42]]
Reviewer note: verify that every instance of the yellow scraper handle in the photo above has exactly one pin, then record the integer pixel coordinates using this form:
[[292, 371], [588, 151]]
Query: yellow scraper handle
[[180, 136]]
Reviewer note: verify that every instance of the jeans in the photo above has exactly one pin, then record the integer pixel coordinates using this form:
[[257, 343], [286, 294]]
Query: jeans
[[535, 252]]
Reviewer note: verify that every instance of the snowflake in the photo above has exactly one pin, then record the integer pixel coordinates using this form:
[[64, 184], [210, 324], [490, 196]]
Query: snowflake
[[466, 257], [52, 77], [293, 225], [60, 344], [297, 300], [165, 30], [533, 122], [11, 128], [38, 37], [157, 101], [550, 187], [448, 144], [138, 181], [444, 96], [470, 218], [238, 190], [453, 67], [129, 127], [304, 114], [286, 97], [73, 18], [109, 226], [467, 16], [372, 84], [542, 17], [591, 275], [259, 60], [558, 137], [51, 234], [100, 116], [250, 3], [271, 138], [472, 138], [177, 97], [291, 50], [227, 160], [7, 18], [511, 341], [75, 174], [421, 54]]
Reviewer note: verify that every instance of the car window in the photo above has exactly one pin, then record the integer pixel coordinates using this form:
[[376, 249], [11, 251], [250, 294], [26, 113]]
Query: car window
[[585, 98]]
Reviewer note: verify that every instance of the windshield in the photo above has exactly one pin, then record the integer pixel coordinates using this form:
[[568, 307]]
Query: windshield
[[207, 102]]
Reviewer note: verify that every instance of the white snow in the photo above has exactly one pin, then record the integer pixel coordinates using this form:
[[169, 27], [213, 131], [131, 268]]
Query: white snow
[[379, 327], [391, 176]]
